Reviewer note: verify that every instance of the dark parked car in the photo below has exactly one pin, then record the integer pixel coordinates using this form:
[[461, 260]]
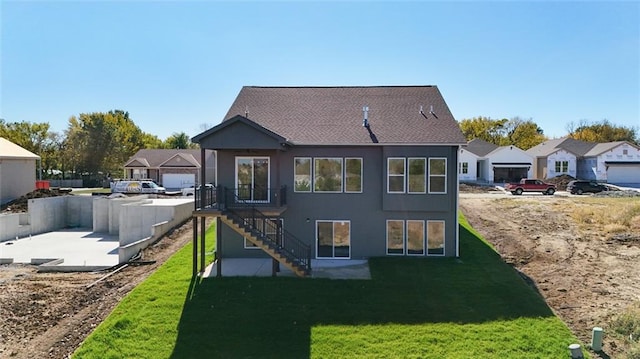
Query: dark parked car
[[580, 187]]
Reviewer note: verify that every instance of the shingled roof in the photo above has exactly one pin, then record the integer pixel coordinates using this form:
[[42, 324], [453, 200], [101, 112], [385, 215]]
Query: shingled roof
[[577, 147], [334, 115], [154, 158], [480, 147]]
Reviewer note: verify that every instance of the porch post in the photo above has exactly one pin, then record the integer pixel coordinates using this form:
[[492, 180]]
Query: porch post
[[203, 231], [218, 247], [203, 178], [274, 267], [195, 245]]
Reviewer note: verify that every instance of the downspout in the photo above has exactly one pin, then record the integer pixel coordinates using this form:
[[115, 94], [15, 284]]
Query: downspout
[[457, 201]]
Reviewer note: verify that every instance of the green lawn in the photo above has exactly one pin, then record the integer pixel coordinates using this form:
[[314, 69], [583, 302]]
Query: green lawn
[[473, 307]]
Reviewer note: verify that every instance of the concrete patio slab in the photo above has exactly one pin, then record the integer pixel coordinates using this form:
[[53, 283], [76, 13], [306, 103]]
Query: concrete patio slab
[[320, 268], [78, 247]]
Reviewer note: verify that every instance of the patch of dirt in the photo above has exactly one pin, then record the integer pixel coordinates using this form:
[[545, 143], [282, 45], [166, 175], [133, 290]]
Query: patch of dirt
[[476, 188], [21, 204], [586, 275], [561, 181], [48, 315]]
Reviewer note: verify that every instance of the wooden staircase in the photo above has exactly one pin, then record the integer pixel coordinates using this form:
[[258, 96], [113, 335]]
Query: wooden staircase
[[283, 247]]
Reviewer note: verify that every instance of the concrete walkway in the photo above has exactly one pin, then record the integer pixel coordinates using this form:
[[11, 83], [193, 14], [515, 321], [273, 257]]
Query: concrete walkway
[[75, 247], [320, 268]]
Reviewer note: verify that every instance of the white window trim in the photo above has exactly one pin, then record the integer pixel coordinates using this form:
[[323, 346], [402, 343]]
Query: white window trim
[[341, 173], [311, 179], [386, 243], [444, 240], [408, 175], [404, 175], [344, 180], [464, 168], [424, 237], [333, 221], [430, 175]]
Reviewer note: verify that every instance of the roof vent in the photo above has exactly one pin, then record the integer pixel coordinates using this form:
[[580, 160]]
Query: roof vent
[[246, 111], [365, 116], [422, 112], [432, 113]]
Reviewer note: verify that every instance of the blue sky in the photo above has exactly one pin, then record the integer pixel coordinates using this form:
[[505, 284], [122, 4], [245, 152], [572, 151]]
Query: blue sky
[[175, 66]]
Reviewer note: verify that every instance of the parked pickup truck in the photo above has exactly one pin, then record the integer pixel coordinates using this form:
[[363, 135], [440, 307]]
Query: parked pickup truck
[[530, 185], [190, 191]]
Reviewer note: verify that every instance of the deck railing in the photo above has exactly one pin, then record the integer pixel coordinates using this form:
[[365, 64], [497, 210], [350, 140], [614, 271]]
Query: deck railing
[[220, 197]]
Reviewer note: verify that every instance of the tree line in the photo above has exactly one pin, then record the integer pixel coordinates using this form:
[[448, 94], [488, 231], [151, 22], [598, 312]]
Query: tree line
[[99, 143], [93, 145], [526, 134]]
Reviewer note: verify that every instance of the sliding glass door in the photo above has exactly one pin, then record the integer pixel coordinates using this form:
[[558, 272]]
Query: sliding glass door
[[252, 178]]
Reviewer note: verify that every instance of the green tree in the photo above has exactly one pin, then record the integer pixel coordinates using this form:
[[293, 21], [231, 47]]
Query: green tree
[[523, 134], [34, 137], [483, 128], [179, 140], [100, 143], [504, 132], [603, 131], [151, 141]]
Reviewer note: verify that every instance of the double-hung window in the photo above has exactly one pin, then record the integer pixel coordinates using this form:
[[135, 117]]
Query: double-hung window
[[395, 175], [562, 166], [353, 175], [463, 167], [437, 175]]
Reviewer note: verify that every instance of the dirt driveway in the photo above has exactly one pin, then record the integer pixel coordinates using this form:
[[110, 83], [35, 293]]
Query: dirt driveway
[[581, 252]]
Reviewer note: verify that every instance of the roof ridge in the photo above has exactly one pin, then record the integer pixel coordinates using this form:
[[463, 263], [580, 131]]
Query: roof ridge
[[328, 87]]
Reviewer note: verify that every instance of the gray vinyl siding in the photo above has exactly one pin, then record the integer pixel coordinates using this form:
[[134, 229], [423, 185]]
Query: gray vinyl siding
[[240, 136], [367, 212]]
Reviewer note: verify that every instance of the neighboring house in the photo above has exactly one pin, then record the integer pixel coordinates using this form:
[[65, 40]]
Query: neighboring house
[[172, 168], [508, 164], [483, 161], [474, 159], [558, 157], [334, 173], [17, 171], [613, 162]]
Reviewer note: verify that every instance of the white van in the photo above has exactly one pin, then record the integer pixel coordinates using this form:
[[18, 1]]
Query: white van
[[136, 187]]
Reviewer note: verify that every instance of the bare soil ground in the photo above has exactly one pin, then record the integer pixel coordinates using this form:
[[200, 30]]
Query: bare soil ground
[[48, 315], [587, 269]]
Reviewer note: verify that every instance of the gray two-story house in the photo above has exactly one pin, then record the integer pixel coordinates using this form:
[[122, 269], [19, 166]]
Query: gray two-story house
[[333, 173]]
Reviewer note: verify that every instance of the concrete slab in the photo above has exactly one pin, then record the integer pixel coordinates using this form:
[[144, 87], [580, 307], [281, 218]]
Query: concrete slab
[[320, 268], [76, 247]]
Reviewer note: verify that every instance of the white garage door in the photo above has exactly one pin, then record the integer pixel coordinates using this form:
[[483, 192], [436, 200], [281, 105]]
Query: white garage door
[[623, 173], [178, 180]]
